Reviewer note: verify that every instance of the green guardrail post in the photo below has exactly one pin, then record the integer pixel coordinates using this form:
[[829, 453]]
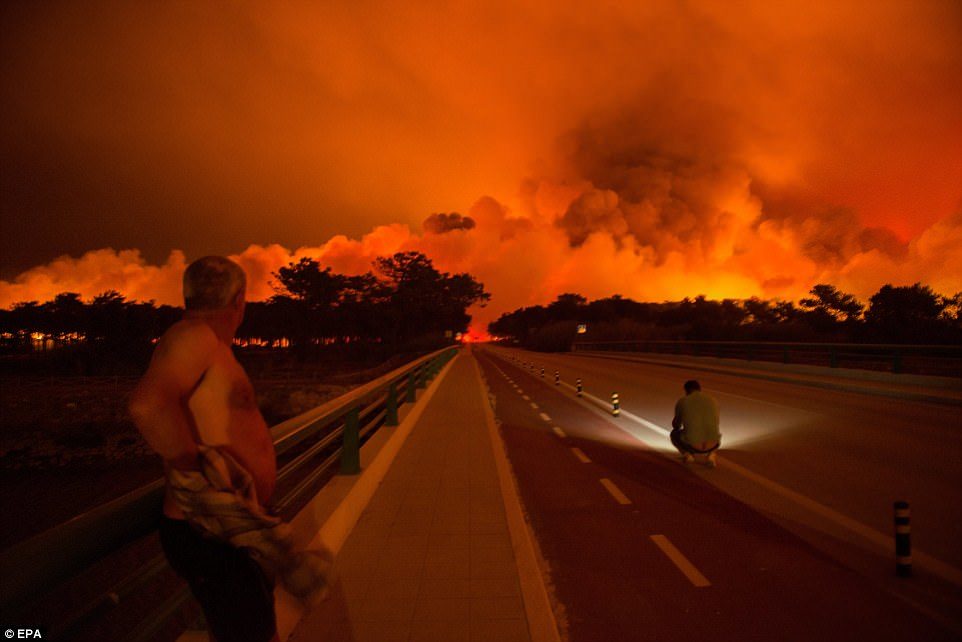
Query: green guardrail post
[[422, 376], [390, 412], [351, 452], [412, 393]]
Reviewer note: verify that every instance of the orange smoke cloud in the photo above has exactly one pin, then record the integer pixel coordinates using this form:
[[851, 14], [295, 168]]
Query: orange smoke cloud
[[531, 259], [662, 149]]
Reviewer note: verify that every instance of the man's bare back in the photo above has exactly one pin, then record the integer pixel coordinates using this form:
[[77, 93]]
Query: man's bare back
[[195, 386], [195, 393]]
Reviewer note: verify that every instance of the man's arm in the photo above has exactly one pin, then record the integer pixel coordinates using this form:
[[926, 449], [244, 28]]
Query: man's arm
[[676, 420], [158, 404]]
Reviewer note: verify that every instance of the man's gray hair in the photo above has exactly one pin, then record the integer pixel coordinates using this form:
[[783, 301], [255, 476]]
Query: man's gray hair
[[212, 283]]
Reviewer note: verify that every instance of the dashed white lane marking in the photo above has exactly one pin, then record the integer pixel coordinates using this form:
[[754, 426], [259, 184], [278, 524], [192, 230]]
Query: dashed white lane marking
[[534, 405], [526, 397], [619, 496], [545, 417], [686, 567], [558, 431], [581, 456]]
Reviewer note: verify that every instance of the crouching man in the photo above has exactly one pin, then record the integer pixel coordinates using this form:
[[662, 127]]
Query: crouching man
[[195, 407], [695, 425]]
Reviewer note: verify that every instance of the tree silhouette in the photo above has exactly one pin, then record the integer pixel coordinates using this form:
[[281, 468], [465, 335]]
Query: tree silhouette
[[906, 313]]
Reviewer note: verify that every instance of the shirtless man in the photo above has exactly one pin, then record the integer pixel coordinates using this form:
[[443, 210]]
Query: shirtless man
[[195, 391], [695, 425]]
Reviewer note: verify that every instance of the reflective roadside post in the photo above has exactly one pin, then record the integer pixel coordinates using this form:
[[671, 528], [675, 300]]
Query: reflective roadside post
[[615, 404], [557, 378], [903, 540], [578, 387]]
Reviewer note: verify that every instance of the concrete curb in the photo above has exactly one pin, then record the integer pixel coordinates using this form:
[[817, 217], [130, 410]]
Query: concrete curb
[[542, 625], [739, 372]]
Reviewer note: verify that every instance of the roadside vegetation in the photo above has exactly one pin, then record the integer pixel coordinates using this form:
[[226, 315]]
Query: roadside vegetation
[[895, 314]]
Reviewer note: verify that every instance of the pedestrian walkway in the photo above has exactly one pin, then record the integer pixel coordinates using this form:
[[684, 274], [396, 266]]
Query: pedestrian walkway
[[431, 557]]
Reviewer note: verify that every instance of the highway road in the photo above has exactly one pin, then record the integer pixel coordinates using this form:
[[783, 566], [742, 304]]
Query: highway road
[[789, 538]]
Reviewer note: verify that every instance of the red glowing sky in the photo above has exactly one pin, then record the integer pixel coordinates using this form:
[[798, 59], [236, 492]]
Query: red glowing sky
[[656, 150]]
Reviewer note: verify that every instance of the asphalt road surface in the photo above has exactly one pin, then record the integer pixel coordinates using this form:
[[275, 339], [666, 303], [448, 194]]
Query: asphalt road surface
[[789, 538]]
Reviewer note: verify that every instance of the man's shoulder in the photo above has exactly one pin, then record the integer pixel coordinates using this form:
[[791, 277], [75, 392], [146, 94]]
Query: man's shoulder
[[189, 335]]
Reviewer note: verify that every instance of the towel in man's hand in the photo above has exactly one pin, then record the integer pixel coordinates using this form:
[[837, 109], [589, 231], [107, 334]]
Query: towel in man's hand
[[220, 499]]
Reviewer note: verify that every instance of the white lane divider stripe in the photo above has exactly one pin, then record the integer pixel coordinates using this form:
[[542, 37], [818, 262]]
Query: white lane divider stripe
[[558, 431], [526, 397], [693, 574], [619, 496], [545, 417], [581, 456], [534, 405]]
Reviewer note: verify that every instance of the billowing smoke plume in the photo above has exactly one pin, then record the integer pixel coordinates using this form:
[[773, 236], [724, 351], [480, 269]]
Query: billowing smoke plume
[[441, 223], [526, 260], [663, 150]]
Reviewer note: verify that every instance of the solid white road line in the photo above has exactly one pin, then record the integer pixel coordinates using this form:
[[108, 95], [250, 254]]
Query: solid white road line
[[545, 417], [624, 413], [619, 496], [558, 431], [581, 456], [686, 567]]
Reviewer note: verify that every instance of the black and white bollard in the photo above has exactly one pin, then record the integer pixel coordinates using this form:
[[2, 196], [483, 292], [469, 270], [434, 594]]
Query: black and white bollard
[[578, 387], [557, 378], [615, 404], [903, 540], [542, 372]]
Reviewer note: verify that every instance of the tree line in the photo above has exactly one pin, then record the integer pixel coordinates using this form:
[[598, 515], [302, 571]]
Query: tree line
[[405, 303], [894, 314]]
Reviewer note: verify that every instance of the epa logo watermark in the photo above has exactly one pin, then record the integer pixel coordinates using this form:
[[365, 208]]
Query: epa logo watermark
[[23, 634]]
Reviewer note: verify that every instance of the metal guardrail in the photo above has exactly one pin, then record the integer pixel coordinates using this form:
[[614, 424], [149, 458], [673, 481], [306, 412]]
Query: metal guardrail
[[335, 431], [937, 360]]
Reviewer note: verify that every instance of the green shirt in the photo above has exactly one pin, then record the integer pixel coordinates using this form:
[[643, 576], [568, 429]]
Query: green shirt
[[699, 416]]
